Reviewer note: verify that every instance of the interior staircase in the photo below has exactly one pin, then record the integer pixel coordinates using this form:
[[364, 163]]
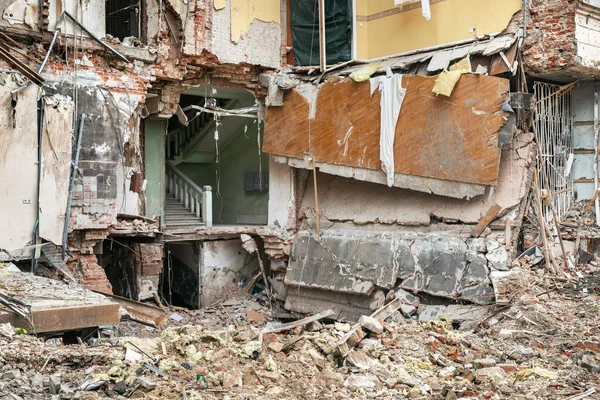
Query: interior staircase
[[178, 217], [187, 206]]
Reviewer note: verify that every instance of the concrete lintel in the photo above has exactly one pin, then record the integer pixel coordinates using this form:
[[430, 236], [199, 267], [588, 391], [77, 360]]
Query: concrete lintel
[[459, 190]]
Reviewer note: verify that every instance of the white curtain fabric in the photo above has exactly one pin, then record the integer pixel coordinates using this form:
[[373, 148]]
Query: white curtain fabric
[[392, 97]]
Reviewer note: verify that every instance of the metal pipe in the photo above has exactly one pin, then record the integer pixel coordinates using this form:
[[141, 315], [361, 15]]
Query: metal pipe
[[106, 46], [187, 15], [41, 68], [36, 228], [219, 113], [322, 38], [74, 167], [596, 134]]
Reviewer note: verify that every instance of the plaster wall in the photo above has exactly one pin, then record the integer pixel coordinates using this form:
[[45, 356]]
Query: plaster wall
[[56, 170], [89, 13], [282, 200], [18, 165], [451, 21], [223, 265], [587, 34], [344, 199], [247, 32]]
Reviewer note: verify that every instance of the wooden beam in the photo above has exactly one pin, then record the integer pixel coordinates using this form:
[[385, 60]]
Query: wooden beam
[[486, 219]]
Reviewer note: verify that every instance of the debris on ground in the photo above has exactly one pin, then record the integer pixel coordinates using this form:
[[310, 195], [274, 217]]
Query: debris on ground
[[545, 345]]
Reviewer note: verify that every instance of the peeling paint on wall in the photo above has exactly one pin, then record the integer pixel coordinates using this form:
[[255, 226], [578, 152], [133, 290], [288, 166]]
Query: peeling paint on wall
[[56, 171], [220, 4], [18, 165], [243, 12], [21, 12]]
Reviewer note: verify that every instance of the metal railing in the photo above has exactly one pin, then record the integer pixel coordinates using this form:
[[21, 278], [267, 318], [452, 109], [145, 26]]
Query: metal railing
[[193, 198]]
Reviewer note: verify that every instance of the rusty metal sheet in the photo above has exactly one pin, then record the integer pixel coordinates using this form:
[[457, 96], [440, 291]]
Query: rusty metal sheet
[[66, 318], [453, 138]]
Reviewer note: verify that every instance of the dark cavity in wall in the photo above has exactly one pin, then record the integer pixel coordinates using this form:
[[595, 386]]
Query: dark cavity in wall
[[180, 279]]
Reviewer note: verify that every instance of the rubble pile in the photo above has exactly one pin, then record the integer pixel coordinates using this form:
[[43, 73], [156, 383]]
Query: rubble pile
[[545, 345], [136, 225]]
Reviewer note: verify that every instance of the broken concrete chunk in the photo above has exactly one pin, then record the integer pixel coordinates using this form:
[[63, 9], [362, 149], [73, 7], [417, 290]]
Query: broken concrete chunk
[[477, 245], [491, 372], [371, 324], [429, 313], [498, 258], [146, 383], [590, 363], [54, 384], [12, 374], [406, 297], [361, 381], [313, 326], [345, 328], [276, 346], [232, 379], [408, 310], [360, 360], [484, 363]]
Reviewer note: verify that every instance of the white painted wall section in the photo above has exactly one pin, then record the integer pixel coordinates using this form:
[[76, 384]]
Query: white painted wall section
[[281, 195], [261, 45], [223, 265], [18, 166]]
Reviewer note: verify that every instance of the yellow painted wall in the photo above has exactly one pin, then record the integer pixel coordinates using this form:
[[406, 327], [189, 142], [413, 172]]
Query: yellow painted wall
[[243, 12], [451, 21]]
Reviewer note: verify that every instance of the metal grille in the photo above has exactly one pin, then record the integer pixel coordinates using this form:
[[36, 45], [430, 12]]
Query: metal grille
[[554, 116]]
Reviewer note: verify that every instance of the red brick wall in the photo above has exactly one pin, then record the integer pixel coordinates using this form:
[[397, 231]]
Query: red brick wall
[[550, 44]]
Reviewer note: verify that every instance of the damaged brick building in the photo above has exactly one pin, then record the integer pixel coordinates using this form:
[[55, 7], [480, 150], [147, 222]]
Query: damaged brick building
[[366, 145]]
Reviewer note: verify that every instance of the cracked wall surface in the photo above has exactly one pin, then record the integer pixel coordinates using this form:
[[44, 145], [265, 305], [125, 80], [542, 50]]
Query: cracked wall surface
[[355, 262]]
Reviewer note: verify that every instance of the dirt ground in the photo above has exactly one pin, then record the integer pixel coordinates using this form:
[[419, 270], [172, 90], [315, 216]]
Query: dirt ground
[[544, 345]]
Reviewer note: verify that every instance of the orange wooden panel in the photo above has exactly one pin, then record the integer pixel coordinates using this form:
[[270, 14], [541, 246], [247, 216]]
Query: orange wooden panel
[[451, 138], [346, 129], [286, 128]]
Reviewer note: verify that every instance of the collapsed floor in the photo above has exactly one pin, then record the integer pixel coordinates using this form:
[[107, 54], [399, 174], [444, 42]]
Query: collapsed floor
[[544, 345]]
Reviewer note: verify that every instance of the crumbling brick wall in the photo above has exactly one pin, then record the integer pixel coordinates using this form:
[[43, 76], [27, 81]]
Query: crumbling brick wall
[[550, 44]]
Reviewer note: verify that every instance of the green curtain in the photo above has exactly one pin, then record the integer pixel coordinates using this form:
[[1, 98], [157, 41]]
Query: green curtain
[[305, 31]]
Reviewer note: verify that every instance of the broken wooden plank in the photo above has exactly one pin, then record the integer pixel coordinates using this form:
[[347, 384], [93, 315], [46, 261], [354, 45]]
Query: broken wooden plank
[[590, 203], [301, 322], [143, 313], [20, 66], [486, 219], [444, 138]]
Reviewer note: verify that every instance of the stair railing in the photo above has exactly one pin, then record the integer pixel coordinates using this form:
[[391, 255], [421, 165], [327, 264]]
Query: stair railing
[[193, 198]]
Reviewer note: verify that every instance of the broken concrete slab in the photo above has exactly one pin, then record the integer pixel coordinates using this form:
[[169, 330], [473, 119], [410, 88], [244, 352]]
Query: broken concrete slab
[[345, 306], [358, 262]]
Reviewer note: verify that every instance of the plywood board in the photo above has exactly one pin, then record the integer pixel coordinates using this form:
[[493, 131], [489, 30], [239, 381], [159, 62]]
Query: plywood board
[[452, 138]]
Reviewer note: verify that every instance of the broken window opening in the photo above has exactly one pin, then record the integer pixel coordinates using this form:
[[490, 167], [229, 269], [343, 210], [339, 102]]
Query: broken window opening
[[304, 22], [554, 119], [123, 19]]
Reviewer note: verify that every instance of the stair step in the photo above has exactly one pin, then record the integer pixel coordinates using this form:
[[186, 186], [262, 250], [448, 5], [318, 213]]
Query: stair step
[[176, 208], [187, 224], [190, 217], [182, 211]]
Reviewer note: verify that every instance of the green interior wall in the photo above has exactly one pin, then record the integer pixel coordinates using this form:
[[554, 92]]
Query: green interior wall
[[154, 159], [237, 157]]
